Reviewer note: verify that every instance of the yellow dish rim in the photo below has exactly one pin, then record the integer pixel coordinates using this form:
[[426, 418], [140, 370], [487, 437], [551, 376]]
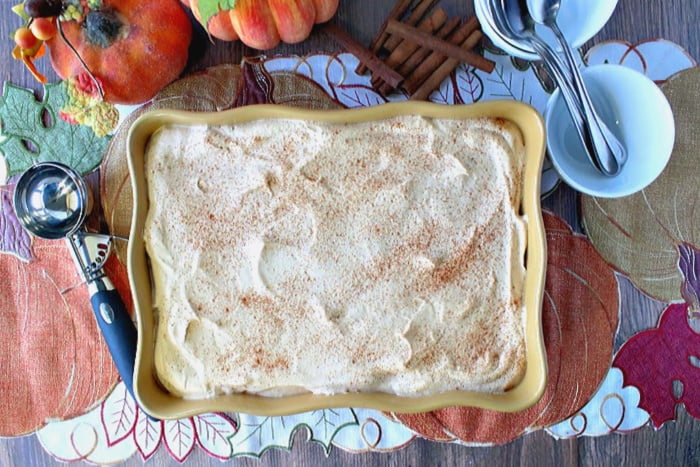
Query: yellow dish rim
[[157, 402]]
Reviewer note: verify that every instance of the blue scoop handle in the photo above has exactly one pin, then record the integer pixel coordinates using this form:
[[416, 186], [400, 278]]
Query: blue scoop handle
[[117, 328]]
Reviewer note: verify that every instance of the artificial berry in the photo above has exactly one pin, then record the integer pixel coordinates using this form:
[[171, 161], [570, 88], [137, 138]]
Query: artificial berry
[[44, 28], [43, 8], [25, 38]]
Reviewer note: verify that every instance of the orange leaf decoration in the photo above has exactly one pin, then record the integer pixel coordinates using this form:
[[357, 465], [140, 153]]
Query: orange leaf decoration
[[580, 317]]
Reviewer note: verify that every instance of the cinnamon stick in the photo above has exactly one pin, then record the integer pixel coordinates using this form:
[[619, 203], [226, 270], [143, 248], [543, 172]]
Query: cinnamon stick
[[437, 76], [435, 59], [407, 48], [443, 47], [407, 67], [389, 75], [397, 12], [416, 15]]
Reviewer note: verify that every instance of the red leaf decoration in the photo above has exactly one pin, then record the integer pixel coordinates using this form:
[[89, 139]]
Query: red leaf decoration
[[214, 431], [179, 437], [147, 434], [653, 360], [580, 317], [118, 414]]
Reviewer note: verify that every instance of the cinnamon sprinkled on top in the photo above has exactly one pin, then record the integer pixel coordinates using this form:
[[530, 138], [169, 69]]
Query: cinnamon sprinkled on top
[[296, 256]]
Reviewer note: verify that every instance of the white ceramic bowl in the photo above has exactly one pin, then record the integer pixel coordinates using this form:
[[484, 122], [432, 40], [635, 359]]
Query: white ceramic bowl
[[638, 113], [579, 20]]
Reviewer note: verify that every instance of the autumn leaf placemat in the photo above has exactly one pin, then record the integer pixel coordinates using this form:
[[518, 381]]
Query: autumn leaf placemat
[[582, 309], [653, 238]]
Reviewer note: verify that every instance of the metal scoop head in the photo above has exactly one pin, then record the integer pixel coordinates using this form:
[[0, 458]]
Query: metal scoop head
[[51, 200]]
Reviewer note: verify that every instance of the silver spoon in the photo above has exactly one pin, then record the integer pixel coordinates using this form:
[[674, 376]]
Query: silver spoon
[[496, 19], [607, 149], [52, 201], [487, 17], [500, 24]]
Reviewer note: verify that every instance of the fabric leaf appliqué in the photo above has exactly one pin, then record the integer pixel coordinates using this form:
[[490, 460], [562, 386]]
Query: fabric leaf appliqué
[[654, 360]]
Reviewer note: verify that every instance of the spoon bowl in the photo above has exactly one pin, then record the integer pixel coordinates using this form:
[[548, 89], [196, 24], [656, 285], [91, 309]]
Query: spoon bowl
[[580, 20], [487, 19]]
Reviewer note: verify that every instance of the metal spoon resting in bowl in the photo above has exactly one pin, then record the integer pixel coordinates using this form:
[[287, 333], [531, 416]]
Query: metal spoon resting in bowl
[[609, 153], [501, 26], [498, 22]]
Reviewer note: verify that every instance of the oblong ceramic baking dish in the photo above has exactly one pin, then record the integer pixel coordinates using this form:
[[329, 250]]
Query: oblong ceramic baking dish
[[160, 404]]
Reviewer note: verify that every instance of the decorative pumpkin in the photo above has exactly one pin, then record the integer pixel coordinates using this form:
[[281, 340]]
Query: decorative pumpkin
[[54, 361], [133, 47], [262, 24]]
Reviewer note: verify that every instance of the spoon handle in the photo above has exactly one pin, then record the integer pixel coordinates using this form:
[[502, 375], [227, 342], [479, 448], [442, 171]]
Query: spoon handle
[[608, 150], [563, 80]]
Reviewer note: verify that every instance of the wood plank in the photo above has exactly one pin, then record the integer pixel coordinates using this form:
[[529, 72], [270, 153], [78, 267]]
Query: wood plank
[[675, 444]]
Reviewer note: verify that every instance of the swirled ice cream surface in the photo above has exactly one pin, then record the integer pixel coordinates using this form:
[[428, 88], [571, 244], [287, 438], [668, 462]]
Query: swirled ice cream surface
[[294, 256]]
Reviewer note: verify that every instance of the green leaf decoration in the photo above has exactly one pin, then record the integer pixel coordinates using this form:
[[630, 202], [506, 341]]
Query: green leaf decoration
[[19, 11], [32, 131], [256, 434], [210, 8]]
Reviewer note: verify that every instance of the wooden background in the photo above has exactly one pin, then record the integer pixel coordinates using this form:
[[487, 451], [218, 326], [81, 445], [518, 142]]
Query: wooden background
[[676, 443]]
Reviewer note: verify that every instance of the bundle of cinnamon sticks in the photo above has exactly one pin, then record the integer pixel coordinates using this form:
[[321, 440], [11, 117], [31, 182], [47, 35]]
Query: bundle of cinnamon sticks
[[417, 47]]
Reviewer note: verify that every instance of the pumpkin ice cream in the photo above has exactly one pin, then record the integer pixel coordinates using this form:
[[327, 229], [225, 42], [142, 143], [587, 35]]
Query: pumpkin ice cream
[[291, 256]]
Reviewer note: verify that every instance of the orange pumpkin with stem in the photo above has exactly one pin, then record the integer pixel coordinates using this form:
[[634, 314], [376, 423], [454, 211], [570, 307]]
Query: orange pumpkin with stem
[[133, 47], [263, 24]]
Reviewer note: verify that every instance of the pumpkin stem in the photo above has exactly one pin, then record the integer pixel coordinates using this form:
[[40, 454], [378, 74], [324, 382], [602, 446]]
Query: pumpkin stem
[[98, 85], [103, 27]]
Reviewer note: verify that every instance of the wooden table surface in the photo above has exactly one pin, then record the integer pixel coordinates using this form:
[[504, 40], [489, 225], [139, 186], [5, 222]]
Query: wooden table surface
[[677, 443]]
